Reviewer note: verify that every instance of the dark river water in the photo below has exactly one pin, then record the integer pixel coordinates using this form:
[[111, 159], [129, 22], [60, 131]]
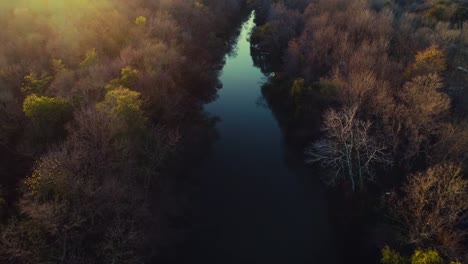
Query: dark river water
[[253, 206]]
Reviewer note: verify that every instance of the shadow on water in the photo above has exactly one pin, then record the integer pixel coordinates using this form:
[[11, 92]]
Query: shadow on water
[[254, 203], [13, 167]]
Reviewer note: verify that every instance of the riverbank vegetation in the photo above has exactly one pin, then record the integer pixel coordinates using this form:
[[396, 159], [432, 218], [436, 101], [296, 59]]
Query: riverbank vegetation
[[375, 94], [101, 109], [105, 99]]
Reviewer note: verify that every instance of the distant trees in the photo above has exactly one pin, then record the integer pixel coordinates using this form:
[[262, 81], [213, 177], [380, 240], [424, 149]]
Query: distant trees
[[103, 144], [283, 24], [129, 77], [388, 75], [333, 32]]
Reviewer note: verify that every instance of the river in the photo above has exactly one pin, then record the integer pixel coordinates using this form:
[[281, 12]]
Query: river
[[253, 207]]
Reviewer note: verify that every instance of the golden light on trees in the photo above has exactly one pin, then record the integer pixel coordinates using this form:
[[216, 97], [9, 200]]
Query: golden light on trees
[[56, 4]]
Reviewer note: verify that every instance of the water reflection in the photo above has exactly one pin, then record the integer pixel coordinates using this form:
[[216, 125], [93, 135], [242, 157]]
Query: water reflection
[[253, 205]]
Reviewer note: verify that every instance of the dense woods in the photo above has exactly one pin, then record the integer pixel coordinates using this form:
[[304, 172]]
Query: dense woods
[[104, 97], [389, 80], [101, 110]]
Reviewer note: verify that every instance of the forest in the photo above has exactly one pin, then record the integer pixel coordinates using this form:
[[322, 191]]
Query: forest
[[104, 124]]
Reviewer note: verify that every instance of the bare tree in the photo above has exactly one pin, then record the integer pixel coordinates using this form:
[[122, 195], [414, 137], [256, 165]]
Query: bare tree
[[433, 205], [348, 148]]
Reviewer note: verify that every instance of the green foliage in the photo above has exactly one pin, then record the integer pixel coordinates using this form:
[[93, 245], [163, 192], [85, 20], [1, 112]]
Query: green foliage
[[140, 21], [390, 256], [128, 78], [90, 59], [34, 84], [58, 65], [426, 257], [124, 105], [44, 110]]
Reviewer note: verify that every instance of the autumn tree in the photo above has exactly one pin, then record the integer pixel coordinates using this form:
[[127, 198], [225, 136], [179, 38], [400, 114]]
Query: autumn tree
[[90, 58], [34, 84], [429, 61], [140, 21], [47, 114], [432, 208], [46, 110], [421, 115], [128, 78], [124, 107]]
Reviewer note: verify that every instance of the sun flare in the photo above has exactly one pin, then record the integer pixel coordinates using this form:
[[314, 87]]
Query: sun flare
[[55, 5]]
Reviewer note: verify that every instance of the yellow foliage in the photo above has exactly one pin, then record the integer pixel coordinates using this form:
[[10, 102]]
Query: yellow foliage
[[44, 177], [390, 256], [34, 84], [58, 65], [43, 108], [90, 59], [124, 104], [426, 257], [198, 4], [430, 60], [420, 256], [128, 78], [140, 21]]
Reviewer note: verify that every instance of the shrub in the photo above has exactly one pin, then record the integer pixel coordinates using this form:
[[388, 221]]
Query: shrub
[[90, 59], [426, 257], [390, 256], [124, 106], [47, 111], [429, 61], [34, 84], [140, 21], [128, 78]]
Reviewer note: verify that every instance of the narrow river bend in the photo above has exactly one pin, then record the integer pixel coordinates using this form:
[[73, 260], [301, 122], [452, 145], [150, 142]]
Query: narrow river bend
[[254, 208]]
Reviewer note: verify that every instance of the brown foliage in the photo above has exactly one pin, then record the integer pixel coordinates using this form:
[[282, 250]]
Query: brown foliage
[[433, 205]]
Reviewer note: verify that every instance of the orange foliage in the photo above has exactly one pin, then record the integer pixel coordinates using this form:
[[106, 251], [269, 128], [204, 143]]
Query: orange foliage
[[430, 60]]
